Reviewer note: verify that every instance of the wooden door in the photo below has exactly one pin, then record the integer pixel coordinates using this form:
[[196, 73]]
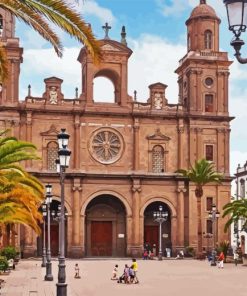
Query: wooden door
[[151, 235], [54, 239], [101, 238]]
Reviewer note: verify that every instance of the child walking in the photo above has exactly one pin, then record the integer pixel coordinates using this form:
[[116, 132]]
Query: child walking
[[115, 273]]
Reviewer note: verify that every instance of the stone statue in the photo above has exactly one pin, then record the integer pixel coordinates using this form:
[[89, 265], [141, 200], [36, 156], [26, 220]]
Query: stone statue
[[158, 101], [53, 95]]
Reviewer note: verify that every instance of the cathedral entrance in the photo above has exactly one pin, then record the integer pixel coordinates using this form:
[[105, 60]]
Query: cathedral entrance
[[105, 227], [151, 229]]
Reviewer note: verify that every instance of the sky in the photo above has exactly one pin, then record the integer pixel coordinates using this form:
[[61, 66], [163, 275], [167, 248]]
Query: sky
[[156, 33]]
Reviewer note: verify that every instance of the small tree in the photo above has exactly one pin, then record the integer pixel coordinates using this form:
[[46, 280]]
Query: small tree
[[9, 252]]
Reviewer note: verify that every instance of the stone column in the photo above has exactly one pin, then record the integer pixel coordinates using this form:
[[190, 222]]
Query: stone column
[[199, 145], [76, 248], [136, 242], [220, 150], [181, 155], [29, 134], [77, 142], [180, 216], [199, 91], [192, 147], [226, 85], [192, 89], [136, 145]]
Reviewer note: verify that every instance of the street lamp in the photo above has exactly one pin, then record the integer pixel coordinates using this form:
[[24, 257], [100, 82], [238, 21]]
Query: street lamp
[[44, 245], [62, 164], [160, 217], [214, 214], [48, 276], [237, 20]]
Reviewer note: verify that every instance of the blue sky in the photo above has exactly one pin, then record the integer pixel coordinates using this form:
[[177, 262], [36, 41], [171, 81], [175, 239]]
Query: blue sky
[[156, 33]]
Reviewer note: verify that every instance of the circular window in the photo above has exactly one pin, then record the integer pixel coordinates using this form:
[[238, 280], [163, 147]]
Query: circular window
[[209, 81], [106, 146]]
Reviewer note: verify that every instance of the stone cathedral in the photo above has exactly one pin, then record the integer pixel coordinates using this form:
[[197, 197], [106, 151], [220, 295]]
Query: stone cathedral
[[125, 153]]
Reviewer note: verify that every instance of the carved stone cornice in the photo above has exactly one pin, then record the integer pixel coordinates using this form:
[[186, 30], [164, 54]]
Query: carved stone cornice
[[180, 129], [77, 188], [221, 130], [158, 136], [52, 131]]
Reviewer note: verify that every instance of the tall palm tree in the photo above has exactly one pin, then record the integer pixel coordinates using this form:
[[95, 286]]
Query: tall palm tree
[[20, 193], [39, 13], [202, 173], [236, 210]]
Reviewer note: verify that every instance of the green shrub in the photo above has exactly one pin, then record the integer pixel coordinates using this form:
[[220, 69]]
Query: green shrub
[[223, 247], [189, 251], [3, 263], [9, 252]]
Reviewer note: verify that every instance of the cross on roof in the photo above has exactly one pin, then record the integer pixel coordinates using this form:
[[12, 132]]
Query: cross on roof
[[202, 1], [106, 28]]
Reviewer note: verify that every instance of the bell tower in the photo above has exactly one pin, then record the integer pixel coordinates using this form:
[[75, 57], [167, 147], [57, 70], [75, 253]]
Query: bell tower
[[10, 87], [203, 72], [114, 66]]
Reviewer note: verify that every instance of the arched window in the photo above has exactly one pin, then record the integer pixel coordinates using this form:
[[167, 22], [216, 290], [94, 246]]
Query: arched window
[[52, 149], [208, 40], [103, 90], [188, 42], [1, 25], [158, 159], [242, 188]]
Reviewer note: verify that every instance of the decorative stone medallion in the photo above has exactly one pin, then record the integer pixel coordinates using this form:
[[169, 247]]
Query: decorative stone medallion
[[106, 145]]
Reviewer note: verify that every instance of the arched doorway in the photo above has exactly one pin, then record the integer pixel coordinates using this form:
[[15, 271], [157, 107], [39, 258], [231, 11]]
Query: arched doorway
[[151, 228], [105, 227], [54, 207]]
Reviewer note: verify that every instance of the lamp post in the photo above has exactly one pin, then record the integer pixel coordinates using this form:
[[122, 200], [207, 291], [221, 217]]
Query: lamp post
[[160, 217], [237, 20], [44, 245], [64, 157], [214, 214], [48, 276]]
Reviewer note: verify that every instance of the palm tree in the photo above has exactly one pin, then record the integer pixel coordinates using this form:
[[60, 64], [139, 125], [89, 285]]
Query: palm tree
[[39, 13], [237, 211], [201, 174], [20, 193]]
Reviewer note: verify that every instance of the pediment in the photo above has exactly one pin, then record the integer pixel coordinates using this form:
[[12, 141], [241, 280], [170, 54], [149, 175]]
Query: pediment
[[109, 47], [158, 136], [114, 46], [51, 132]]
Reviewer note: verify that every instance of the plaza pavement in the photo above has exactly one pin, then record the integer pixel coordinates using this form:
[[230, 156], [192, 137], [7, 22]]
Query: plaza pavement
[[167, 277]]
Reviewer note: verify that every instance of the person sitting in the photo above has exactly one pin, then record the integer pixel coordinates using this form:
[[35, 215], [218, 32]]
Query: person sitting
[[115, 273], [151, 255], [126, 274], [77, 270]]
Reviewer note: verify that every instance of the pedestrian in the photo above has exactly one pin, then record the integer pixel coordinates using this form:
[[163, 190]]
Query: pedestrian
[[145, 255], [115, 273], [132, 274], [77, 271], [135, 268], [126, 274], [221, 260], [235, 257]]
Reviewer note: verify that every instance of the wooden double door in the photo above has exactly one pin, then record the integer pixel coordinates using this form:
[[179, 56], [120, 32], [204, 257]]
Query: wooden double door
[[101, 238], [151, 236]]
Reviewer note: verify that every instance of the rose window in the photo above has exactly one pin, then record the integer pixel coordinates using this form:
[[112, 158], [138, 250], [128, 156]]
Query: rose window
[[106, 146]]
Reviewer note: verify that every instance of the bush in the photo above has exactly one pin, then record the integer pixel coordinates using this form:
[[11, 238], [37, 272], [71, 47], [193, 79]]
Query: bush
[[224, 246], [189, 251], [9, 252], [3, 263]]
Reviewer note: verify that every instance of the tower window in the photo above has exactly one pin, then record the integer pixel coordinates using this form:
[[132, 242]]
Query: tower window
[[52, 149], [209, 152], [1, 25], [209, 226], [158, 159], [209, 100], [209, 203], [242, 188], [208, 39], [189, 42]]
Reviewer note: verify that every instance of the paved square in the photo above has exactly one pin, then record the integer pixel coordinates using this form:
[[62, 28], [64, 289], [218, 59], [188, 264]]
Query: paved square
[[168, 277]]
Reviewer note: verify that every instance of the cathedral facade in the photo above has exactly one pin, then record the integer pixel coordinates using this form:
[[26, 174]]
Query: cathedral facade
[[125, 154]]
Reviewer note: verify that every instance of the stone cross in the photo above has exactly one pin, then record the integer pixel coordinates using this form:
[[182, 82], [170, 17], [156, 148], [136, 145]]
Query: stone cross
[[106, 28], [202, 1]]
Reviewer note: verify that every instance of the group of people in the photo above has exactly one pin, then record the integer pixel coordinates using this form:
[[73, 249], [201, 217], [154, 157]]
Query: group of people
[[129, 275]]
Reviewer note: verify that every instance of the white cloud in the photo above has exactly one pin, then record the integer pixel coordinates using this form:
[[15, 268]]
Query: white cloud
[[177, 7], [91, 7], [154, 59]]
